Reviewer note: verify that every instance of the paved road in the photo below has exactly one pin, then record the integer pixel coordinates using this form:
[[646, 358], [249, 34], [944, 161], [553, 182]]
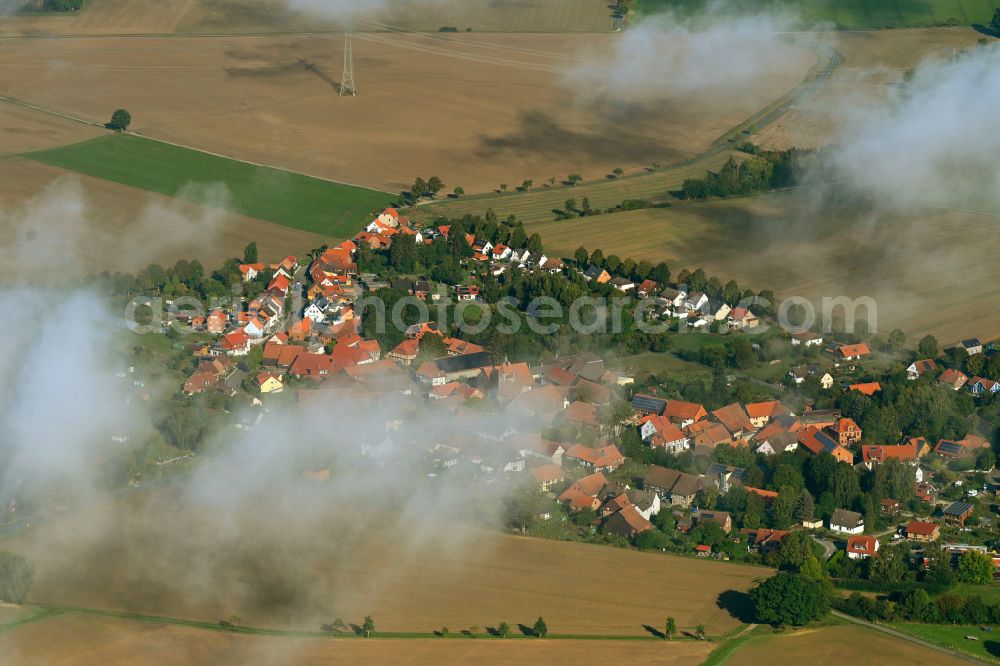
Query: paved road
[[829, 548], [913, 639]]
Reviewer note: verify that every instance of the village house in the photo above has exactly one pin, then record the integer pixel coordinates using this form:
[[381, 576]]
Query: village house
[[888, 507], [683, 413], [735, 419], [741, 319], [763, 540], [806, 339], [800, 373], [721, 518], [958, 512], [867, 388], [623, 285], [817, 441], [657, 431], [582, 494], [860, 547], [850, 352], [873, 454], [627, 523], [547, 476], [983, 386], [597, 274], [918, 530], [972, 346], [269, 382], [918, 369], [846, 432], [673, 486], [953, 379], [847, 522], [761, 413], [605, 459]]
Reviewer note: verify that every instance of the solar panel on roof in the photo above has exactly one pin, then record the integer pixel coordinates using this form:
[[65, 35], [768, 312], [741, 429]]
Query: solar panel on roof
[[950, 448], [648, 404], [957, 508]]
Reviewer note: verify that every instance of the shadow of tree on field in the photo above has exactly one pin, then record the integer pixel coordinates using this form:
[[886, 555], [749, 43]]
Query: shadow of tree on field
[[737, 604], [992, 647], [654, 631]]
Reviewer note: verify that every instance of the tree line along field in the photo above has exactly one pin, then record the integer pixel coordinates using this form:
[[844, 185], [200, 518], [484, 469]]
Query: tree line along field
[[540, 204], [858, 14], [921, 270], [264, 193], [85, 639]]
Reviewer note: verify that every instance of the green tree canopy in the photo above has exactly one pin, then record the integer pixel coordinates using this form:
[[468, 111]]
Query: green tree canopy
[[975, 568], [120, 120], [789, 598], [16, 576]]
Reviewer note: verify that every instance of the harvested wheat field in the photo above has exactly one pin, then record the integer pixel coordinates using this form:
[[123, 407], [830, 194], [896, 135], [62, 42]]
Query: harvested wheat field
[[837, 645], [25, 129], [102, 17], [477, 110], [477, 15], [922, 272], [157, 555], [86, 639], [53, 217], [873, 62]]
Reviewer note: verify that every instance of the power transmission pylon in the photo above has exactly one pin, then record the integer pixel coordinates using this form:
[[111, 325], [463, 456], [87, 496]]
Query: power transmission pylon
[[347, 84]]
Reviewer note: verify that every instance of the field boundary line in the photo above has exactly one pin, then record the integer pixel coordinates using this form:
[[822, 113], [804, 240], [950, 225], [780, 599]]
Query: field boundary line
[[50, 611], [912, 639]]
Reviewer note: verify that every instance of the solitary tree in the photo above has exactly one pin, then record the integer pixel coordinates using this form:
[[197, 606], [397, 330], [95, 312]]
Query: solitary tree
[[789, 598], [368, 626], [699, 632], [503, 630], [234, 622], [928, 346], [503, 187], [540, 629], [459, 191], [250, 253], [338, 625], [434, 185], [574, 178], [570, 205], [120, 120], [526, 185], [618, 171], [671, 628]]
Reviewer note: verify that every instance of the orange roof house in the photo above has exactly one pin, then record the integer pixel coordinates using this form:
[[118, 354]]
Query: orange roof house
[[852, 352], [735, 419], [846, 431], [605, 458], [871, 388], [684, 413], [873, 454], [761, 413], [953, 379], [860, 547], [816, 442]]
